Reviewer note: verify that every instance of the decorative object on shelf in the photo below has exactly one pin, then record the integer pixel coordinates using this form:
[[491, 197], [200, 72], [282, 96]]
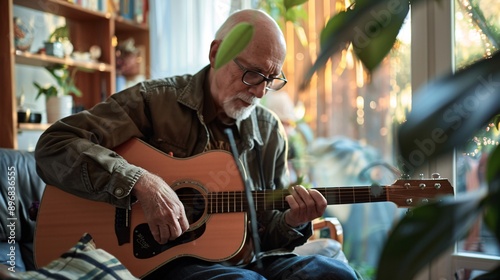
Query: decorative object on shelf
[[128, 59], [54, 49], [23, 34], [24, 112], [95, 52], [58, 44], [81, 56], [59, 102], [67, 48]]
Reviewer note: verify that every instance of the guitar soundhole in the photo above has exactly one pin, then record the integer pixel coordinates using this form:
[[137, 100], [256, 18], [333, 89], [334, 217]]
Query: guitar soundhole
[[194, 203]]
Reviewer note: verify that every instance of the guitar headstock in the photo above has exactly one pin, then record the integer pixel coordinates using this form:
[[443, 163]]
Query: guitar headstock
[[414, 192]]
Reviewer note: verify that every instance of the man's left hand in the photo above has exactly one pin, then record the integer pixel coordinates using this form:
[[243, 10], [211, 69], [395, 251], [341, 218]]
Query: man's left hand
[[305, 205]]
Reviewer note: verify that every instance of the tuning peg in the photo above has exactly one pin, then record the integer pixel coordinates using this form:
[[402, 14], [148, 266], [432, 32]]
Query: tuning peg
[[409, 201], [436, 176]]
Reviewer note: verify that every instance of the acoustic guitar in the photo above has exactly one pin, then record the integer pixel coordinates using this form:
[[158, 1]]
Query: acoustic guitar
[[212, 190]]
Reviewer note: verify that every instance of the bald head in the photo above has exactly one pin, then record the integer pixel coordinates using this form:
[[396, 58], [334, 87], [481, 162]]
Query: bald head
[[236, 86], [267, 39]]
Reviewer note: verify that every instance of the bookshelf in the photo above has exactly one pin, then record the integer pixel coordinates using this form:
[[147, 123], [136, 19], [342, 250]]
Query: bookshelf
[[88, 26]]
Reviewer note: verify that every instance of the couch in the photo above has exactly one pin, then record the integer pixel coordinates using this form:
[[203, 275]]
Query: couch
[[22, 190]]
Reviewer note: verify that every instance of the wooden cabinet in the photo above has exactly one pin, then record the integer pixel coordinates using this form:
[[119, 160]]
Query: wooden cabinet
[[87, 28]]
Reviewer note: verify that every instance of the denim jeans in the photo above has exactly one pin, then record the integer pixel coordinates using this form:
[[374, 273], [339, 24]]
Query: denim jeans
[[289, 267]]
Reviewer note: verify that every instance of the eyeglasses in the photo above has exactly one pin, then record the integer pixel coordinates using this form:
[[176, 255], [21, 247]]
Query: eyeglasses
[[253, 78]]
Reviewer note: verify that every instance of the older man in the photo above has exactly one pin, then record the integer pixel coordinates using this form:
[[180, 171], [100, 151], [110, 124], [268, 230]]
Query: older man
[[185, 116]]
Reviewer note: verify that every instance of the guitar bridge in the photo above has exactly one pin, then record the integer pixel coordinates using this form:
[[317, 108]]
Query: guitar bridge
[[145, 246]]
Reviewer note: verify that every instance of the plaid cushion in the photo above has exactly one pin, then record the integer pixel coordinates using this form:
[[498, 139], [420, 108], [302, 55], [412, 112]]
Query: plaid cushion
[[83, 261]]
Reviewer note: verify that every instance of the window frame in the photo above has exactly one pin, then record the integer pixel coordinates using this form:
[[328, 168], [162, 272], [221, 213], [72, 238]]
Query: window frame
[[432, 52]]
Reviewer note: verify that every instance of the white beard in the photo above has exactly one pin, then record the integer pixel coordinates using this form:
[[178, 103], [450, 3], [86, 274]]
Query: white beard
[[239, 113]]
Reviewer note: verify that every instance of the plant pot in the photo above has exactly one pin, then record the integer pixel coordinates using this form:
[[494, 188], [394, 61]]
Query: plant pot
[[54, 49], [59, 107]]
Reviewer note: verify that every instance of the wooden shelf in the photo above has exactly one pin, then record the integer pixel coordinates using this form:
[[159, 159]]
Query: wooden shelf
[[43, 60], [87, 28], [73, 11], [62, 8], [123, 24], [33, 126]]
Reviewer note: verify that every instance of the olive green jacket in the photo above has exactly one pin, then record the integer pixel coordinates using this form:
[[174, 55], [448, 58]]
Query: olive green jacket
[[75, 153]]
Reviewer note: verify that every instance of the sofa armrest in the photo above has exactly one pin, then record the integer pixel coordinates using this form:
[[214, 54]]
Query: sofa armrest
[[333, 226]]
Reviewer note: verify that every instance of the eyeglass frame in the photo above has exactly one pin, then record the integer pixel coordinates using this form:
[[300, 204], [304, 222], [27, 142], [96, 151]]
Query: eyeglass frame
[[264, 78]]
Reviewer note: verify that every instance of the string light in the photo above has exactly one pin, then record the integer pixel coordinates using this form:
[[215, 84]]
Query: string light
[[489, 48]]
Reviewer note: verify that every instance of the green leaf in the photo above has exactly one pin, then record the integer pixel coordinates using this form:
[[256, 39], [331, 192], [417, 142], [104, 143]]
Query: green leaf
[[235, 42], [492, 211], [425, 233], [376, 39], [348, 27], [292, 3], [448, 111], [331, 27], [493, 165], [496, 121], [295, 15], [48, 92]]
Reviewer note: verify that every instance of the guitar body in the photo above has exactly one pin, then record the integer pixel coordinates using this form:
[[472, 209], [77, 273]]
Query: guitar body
[[63, 218], [212, 192]]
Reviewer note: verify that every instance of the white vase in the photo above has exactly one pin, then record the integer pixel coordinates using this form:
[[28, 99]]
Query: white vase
[[59, 107]]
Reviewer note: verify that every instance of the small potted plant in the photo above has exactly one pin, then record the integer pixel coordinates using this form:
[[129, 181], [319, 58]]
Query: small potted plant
[[59, 100], [58, 44]]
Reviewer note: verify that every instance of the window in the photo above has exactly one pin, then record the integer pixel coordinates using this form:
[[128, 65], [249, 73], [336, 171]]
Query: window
[[476, 36]]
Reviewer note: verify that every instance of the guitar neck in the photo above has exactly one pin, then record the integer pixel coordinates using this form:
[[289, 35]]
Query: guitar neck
[[235, 201]]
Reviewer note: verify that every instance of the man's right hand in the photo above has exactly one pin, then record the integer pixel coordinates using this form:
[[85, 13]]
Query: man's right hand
[[162, 208]]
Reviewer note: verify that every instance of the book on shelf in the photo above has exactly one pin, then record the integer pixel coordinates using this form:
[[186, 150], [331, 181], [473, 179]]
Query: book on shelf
[[135, 10]]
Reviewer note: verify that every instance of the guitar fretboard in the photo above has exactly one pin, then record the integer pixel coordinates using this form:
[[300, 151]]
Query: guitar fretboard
[[235, 201]]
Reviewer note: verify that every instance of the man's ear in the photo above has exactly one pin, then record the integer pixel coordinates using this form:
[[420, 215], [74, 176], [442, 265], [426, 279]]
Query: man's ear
[[214, 48]]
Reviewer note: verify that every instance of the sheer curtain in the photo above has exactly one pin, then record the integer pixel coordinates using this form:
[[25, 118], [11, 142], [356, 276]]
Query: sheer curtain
[[181, 33]]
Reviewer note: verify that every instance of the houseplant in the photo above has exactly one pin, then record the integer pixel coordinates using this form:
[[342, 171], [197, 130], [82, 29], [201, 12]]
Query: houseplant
[[59, 99], [431, 229], [59, 44]]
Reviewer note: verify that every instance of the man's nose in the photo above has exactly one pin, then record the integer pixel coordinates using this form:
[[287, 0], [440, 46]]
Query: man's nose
[[259, 90]]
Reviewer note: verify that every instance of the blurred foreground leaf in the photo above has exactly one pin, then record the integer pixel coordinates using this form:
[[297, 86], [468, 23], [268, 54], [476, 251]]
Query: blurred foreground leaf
[[425, 233], [235, 41], [448, 111], [372, 27]]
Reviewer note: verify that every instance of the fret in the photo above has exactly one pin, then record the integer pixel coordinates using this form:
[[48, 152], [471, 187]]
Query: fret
[[211, 202], [228, 203], [256, 201], [217, 202], [274, 203], [241, 203], [264, 201]]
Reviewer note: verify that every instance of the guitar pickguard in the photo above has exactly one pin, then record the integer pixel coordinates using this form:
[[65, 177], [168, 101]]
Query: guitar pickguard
[[145, 246]]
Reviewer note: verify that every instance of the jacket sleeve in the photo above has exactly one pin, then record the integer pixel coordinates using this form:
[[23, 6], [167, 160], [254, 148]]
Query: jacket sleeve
[[273, 229], [75, 154]]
